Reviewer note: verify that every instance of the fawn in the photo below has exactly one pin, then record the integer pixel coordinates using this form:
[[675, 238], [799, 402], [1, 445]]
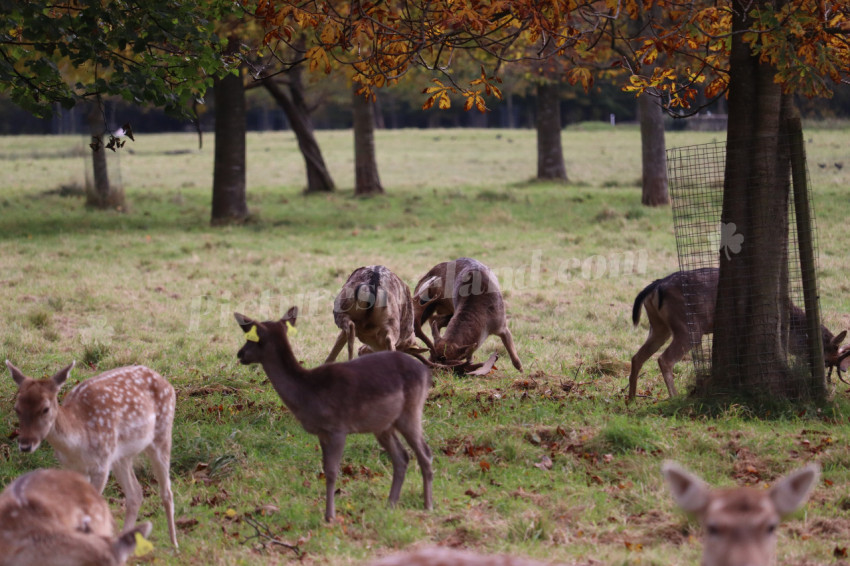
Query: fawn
[[57, 518], [382, 393], [102, 424]]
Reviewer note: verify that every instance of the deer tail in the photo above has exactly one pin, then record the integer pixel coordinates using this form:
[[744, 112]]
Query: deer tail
[[641, 297]]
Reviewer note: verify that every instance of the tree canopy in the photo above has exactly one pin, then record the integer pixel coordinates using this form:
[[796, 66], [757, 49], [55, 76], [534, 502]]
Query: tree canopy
[[163, 52]]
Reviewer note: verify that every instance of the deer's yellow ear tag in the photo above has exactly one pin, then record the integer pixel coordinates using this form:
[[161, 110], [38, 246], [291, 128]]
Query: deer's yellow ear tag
[[143, 545], [290, 329], [252, 335]]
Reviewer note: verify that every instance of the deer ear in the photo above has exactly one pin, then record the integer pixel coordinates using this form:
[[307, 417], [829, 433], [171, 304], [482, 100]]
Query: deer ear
[[790, 492], [291, 316], [17, 375], [244, 322], [840, 338], [689, 492], [60, 376]]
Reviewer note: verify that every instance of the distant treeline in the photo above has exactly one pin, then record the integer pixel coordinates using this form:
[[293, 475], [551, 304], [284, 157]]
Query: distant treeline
[[395, 109]]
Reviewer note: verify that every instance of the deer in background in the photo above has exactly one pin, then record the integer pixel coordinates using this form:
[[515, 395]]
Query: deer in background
[[666, 308], [478, 311], [102, 424], [739, 524], [57, 518], [441, 556], [430, 294], [374, 305], [382, 394]]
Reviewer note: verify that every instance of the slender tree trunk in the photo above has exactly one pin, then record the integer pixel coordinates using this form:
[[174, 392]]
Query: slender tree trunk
[[367, 181], [228, 203], [751, 320], [653, 152], [100, 193], [550, 155], [294, 105]]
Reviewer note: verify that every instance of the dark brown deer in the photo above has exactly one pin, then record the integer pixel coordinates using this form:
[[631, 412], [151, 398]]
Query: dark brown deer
[[57, 518], [478, 312], [374, 305], [739, 524], [382, 394], [102, 424], [666, 306]]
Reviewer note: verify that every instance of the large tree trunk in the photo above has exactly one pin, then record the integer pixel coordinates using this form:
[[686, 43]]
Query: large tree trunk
[[100, 193], [550, 156], [228, 203], [653, 151], [294, 105], [367, 182], [749, 352]]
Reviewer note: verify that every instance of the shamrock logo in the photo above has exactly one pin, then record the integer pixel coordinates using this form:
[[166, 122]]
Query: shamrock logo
[[730, 240]]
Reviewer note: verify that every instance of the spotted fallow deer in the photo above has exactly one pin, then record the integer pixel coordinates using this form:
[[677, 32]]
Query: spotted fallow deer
[[101, 425], [374, 305], [478, 311], [739, 524], [442, 556], [57, 518], [382, 393], [666, 308]]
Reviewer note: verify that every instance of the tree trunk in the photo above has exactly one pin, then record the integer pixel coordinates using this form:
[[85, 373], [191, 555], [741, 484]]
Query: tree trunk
[[294, 106], [99, 193], [550, 156], [653, 151], [367, 182], [228, 203], [749, 353]]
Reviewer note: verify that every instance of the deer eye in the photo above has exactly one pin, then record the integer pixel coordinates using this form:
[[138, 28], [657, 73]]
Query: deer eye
[[771, 528], [45, 410], [713, 530]]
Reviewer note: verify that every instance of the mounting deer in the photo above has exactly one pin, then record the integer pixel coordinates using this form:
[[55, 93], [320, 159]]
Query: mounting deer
[[57, 518], [665, 304], [739, 524], [382, 394], [441, 556], [374, 305], [478, 311], [102, 424]]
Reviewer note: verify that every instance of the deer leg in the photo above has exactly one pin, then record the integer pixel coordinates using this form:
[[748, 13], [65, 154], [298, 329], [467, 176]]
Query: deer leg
[[98, 478], [411, 430], [332, 445], [656, 338], [160, 458], [351, 333], [674, 352], [340, 342], [123, 470], [400, 459], [508, 341]]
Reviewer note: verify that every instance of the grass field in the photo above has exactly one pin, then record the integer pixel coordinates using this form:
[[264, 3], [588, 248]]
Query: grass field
[[550, 463]]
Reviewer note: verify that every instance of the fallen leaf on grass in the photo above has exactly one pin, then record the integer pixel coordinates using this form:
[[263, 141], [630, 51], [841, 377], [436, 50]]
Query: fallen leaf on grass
[[545, 463], [186, 523], [840, 552]]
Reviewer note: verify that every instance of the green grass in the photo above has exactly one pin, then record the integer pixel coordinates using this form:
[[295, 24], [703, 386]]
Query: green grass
[[158, 286]]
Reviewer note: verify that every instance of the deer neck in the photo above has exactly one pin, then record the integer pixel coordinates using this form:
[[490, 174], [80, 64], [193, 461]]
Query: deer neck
[[68, 431], [464, 327], [284, 372]]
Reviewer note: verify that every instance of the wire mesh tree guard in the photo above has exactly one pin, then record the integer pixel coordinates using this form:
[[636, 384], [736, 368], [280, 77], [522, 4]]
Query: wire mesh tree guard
[[696, 180]]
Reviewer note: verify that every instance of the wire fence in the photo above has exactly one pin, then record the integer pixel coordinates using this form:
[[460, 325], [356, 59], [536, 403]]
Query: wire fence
[[696, 181]]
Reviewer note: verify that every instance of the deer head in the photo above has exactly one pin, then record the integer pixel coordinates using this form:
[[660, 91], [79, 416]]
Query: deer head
[[37, 405], [258, 334], [739, 524]]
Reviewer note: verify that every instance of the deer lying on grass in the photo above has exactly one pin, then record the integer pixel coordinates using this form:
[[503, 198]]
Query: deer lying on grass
[[382, 394], [479, 311], [739, 524], [441, 556], [665, 305], [56, 517], [102, 424], [374, 305]]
